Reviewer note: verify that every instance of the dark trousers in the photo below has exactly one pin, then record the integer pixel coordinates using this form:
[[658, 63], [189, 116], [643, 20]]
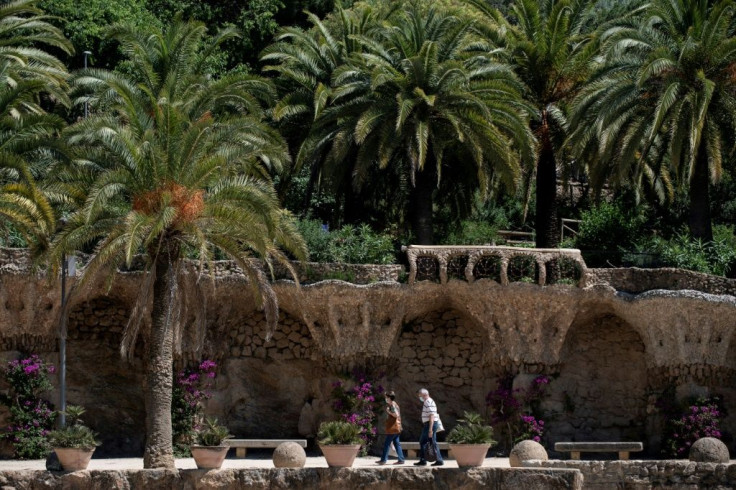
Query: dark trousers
[[424, 438]]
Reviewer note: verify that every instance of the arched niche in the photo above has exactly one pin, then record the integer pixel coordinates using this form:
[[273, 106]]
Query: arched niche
[[601, 391], [109, 387], [262, 386], [442, 350]]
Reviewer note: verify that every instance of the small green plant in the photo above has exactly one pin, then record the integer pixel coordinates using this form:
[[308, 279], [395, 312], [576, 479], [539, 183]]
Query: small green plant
[[471, 430], [338, 432], [75, 435], [211, 433]]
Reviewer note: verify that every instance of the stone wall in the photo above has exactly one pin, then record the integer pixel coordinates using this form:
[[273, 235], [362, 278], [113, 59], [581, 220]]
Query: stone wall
[[635, 280], [645, 475], [305, 479], [608, 352]]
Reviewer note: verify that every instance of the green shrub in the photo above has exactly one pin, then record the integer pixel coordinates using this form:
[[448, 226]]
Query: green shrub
[[471, 430], [210, 433], [608, 226], [338, 432], [348, 245], [75, 435], [683, 251], [472, 233]]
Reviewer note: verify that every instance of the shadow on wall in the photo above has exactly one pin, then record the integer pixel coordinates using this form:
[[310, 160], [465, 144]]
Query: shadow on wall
[[110, 388], [601, 391], [442, 351]]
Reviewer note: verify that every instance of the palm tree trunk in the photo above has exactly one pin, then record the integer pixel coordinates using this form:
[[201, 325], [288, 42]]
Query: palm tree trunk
[[546, 226], [698, 219], [422, 204], [159, 452]]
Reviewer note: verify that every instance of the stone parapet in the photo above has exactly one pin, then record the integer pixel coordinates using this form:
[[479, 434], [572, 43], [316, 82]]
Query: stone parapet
[[644, 475], [635, 280], [304, 479]]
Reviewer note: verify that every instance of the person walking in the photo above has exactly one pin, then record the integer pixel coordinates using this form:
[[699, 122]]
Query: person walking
[[430, 425], [393, 429]]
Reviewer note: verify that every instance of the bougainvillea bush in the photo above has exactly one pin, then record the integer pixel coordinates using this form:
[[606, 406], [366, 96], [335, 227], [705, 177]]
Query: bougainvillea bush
[[687, 422], [31, 417], [516, 413], [358, 401], [190, 391]]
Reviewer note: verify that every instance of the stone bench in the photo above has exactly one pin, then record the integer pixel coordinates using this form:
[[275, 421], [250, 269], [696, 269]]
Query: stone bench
[[412, 449], [575, 448], [242, 445]]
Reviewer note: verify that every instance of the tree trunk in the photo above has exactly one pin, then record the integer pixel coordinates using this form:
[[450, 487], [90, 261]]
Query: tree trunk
[[546, 225], [422, 204], [159, 452], [698, 219]]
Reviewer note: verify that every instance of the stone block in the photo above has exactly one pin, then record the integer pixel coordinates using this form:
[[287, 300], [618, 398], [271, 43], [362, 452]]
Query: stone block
[[709, 450], [526, 451]]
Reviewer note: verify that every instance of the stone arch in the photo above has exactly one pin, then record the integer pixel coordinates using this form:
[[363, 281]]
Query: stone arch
[[109, 387], [442, 350], [601, 391], [262, 386]]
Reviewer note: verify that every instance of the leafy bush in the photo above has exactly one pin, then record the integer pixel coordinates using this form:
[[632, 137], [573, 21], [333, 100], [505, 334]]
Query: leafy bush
[[717, 257], [687, 421], [31, 418], [75, 435], [472, 233], [338, 432], [471, 430], [348, 245], [515, 413], [191, 389], [210, 433], [358, 405], [608, 226]]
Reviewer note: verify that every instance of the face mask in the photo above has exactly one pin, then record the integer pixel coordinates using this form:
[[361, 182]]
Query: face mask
[[421, 400]]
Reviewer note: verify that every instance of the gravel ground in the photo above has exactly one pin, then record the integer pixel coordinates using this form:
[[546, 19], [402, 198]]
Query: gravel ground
[[249, 462]]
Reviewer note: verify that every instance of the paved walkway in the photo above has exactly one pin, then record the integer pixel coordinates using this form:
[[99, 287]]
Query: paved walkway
[[249, 462]]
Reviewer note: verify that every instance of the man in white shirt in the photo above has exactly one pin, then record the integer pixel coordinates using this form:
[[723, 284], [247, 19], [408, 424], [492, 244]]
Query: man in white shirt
[[430, 424]]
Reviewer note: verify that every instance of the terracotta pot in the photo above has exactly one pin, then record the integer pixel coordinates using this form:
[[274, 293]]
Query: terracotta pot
[[340, 455], [209, 457], [469, 454], [72, 459]]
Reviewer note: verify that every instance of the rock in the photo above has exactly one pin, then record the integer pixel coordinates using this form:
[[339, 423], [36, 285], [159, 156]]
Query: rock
[[52, 462], [709, 450], [289, 455], [525, 451]]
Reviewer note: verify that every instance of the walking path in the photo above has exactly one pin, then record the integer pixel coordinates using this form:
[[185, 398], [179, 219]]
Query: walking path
[[264, 462]]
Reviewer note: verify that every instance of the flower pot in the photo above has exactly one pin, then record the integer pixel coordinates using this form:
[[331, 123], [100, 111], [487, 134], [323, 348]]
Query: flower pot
[[209, 457], [73, 459], [469, 454], [340, 455]]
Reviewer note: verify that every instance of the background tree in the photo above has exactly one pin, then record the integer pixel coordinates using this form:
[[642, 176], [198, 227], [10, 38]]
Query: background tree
[[550, 44], [666, 90], [174, 164]]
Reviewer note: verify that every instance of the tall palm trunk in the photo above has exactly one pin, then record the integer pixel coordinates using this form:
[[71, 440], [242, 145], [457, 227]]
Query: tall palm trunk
[[422, 204], [698, 219], [159, 452], [546, 226]]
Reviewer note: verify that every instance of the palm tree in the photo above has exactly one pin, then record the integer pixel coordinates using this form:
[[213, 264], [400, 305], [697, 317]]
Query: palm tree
[[174, 164], [550, 44], [28, 74], [415, 99], [305, 61], [666, 89]]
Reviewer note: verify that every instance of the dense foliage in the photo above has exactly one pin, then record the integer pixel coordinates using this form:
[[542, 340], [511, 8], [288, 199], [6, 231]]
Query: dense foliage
[[359, 406], [516, 412], [190, 391], [75, 435], [31, 417]]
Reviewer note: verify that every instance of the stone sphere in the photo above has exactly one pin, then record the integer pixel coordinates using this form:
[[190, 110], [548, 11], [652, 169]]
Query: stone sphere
[[526, 450], [289, 455], [709, 450]]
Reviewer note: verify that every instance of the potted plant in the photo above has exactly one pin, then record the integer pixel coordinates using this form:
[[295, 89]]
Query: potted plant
[[470, 440], [75, 443], [340, 442], [209, 451]]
